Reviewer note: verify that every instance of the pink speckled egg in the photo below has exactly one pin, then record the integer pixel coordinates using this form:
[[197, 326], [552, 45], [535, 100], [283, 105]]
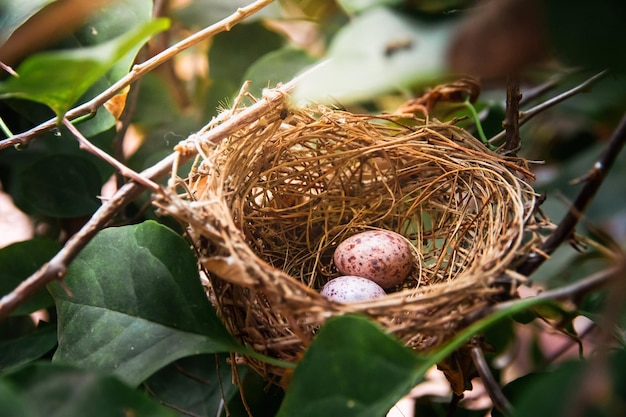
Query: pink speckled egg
[[384, 257], [349, 289]]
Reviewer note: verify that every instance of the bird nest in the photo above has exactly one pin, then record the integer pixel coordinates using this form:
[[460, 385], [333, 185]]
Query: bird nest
[[267, 206]]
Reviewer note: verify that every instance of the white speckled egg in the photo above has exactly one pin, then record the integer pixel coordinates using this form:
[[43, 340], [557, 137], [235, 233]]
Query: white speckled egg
[[349, 289], [380, 255]]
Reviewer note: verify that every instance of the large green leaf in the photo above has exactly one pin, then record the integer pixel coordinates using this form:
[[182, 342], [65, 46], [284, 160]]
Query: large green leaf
[[21, 350], [60, 186], [59, 78], [204, 12], [352, 368], [380, 51], [555, 393], [17, 262], [14, 13], [230, 56], [275, 67], [54, 390], [136, 304], [197, 385]]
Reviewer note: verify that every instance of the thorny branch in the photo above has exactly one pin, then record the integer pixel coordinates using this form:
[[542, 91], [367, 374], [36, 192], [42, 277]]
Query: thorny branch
[[92, 106]]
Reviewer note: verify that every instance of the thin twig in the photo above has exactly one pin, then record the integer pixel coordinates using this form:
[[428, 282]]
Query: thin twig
[[530, 113], [124, 123], [121, 168], [572, 291], [500, 402], [594, 179], [511, 122], [138, 71], [56, 268]]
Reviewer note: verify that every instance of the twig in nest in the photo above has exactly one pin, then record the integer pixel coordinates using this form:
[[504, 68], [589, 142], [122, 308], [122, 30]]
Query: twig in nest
[[138, 71], [525, 116], [594, 179]]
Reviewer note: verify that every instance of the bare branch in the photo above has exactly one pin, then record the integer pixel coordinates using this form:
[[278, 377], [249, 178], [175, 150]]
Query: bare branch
[[138, 71], [123, 169], [511, 121], [500, 402], [530, 113], [594, 179], [569, 292]]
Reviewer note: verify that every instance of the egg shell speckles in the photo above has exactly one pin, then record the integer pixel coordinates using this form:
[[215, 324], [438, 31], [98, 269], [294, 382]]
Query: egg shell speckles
[[350, 289], [380, 255]]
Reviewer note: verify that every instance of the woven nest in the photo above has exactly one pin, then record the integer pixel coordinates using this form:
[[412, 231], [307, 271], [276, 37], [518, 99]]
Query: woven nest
[[267, 206]]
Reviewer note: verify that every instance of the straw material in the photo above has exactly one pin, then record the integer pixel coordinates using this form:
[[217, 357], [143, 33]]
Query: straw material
[[266, 207]]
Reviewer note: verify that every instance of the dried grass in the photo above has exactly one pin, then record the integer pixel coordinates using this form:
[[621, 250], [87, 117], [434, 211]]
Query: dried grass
[[266, 207]]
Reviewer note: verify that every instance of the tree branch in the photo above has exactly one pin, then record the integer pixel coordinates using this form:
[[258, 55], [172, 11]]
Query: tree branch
[[500, 402], [121, 168], [56, 268], [527, 115], [593, 181], [511, 121], [138, 71]]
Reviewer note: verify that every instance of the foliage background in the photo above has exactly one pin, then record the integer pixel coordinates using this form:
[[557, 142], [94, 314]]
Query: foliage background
[[130, 331]]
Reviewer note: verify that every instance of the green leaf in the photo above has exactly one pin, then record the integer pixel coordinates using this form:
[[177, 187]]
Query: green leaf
[[59, 78], [352, 368], [357, 6], [17, 262], [196, 385], [14, 13], [554, 393], [59, 186], [276, 67], [380, 51], [230, 56], [21, 350], [136, 304], [54, 390], [204, 12]]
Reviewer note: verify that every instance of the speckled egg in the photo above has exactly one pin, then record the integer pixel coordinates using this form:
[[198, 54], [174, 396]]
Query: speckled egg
[[350, 289], [380, 255]]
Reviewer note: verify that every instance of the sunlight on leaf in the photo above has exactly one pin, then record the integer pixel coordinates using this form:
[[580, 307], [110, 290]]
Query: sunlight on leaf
[[380, 51], [59, 78]]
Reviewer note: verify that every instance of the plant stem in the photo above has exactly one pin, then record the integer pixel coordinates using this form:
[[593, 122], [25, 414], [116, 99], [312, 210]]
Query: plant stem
[[5, 129]]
